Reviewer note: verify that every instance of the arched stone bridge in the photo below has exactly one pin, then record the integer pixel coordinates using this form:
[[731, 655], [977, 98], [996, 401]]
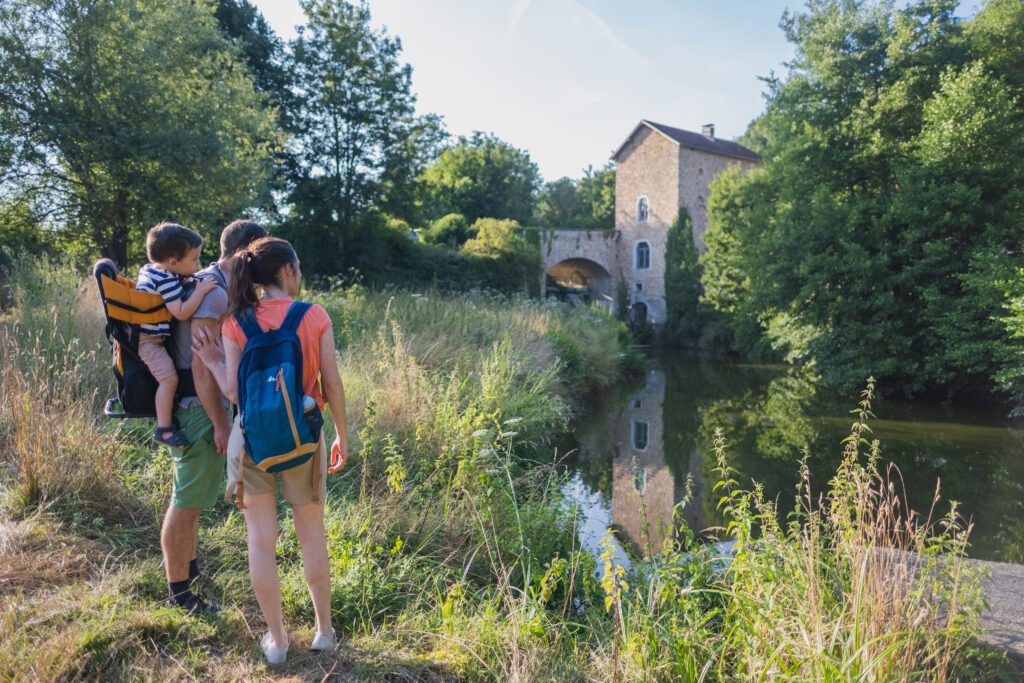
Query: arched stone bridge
[[581, 265]]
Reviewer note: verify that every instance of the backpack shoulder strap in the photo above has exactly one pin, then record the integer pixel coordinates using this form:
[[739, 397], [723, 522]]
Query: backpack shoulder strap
[[294, 316], [250, 328]]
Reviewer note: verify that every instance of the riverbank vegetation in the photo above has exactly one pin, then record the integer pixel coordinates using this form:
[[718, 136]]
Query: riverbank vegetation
[[881, 234], [453, 550]]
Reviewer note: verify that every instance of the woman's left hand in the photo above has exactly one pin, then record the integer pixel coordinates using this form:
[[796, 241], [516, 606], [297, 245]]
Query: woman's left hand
[[207, 346], [339, 453]]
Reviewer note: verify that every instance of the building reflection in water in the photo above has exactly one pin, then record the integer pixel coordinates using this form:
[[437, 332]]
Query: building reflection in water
[[644, 489]]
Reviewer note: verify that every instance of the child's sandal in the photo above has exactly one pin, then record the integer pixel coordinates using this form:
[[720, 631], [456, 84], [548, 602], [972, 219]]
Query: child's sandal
[[169, 436]]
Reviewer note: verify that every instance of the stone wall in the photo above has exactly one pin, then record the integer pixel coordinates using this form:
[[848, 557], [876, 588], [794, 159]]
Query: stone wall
[[649, 167], [562, 251], [696, 171]]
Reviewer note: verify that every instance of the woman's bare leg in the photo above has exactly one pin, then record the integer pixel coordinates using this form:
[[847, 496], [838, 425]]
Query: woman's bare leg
[[309, 527], [261, 521]]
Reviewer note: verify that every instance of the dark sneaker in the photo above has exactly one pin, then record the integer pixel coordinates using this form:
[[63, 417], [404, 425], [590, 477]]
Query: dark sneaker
[[196, 606], [169, 436]]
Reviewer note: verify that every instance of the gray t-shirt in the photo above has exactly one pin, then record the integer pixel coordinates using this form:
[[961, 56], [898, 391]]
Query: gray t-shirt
[[214, 306]]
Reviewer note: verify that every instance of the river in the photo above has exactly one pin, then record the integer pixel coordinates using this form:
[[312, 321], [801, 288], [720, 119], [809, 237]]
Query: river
[[636, 448]]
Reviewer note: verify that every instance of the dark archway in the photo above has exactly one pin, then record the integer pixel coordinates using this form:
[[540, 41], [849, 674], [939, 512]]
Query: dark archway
[[580, 280]]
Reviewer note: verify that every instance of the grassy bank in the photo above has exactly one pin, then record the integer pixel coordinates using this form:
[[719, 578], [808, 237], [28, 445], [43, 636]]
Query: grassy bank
[[453, 552]]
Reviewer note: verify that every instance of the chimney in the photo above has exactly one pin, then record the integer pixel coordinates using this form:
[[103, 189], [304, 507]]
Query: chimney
[[708, 130]]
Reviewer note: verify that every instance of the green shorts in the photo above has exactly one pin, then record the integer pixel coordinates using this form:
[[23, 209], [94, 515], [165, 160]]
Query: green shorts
[[198, 469]]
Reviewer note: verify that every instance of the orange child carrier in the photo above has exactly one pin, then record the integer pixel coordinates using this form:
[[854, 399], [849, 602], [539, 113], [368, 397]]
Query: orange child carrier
[[125, 308]]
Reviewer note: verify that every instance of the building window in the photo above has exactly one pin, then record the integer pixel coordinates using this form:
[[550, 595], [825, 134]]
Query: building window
[[643, 256], [700, 171], [700, 201], [639, 286], [638, 403], [640, 479], [643, 210], [639, 435]]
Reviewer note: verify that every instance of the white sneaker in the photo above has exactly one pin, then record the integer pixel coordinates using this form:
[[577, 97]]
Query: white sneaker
[[274, 655], [324, 642]]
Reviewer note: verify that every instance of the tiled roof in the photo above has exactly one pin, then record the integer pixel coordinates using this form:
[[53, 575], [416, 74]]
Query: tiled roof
[[693, 140]]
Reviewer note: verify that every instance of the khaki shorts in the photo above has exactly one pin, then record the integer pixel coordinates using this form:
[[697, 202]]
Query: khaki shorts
[[296, 483], [154, 354]]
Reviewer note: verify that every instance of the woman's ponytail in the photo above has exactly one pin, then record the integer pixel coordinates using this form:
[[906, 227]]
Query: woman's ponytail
[[258, 264], [242, 294]]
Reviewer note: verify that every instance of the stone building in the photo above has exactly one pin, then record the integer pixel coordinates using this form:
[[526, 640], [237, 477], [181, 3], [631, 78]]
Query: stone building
[[658, 170]]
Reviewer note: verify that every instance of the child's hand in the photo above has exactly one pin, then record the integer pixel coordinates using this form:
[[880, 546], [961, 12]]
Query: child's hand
[[205, 286]]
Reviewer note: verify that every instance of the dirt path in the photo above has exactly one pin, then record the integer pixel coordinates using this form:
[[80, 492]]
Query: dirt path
[[1003, 622]]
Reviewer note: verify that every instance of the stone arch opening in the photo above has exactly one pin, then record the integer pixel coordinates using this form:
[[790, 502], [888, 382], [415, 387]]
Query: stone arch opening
[[580, 281]]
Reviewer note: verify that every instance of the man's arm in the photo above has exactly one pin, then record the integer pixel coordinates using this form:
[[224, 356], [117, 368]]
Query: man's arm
[[207, 389]]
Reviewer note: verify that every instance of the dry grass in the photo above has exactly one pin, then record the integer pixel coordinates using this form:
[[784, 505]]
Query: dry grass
[[470, 569]]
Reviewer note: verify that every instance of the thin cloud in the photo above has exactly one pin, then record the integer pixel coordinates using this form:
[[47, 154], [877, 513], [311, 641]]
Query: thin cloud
[[600, 27], [516, 15], [605, 30]]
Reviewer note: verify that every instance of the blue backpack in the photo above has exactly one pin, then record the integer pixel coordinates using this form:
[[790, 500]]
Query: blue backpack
[[278, 435]]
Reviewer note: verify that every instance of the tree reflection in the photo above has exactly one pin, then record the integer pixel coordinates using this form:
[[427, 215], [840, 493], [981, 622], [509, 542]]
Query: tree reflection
[[643, 444]]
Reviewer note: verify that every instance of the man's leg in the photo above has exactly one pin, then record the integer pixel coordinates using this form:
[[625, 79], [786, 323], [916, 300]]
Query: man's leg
[[193, 566], [178, 540], [198, 477]]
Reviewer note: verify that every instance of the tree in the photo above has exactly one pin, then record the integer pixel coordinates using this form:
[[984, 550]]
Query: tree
[[259, 47], [115, 115], [682, 284], [558, 205], [515, 259], [405, 162], [596, 192], [881, 231], [353, 114], [481, 177], [586, 204], [451, 230]]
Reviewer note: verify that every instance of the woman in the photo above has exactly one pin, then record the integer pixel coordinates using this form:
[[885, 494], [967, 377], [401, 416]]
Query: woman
[[272, 264]]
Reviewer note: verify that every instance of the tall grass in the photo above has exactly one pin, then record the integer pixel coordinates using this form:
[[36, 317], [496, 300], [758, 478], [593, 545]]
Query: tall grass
[[453, 551]]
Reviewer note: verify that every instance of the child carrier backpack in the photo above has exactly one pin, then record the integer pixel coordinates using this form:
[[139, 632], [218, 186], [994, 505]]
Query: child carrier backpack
[[278, 434], [124, 309]]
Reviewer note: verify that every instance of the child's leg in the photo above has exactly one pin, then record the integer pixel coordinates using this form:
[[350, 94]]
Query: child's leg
[[165, 402], [154, 354]]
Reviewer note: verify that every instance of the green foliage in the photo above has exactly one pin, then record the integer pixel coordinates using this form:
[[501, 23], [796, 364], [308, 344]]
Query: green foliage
[[514, 258], [570, 357], [622, 302], [880, 232], [684, 314], [260, 48], [462, 547], [383, 257], [587, 203], [596, 192], [451, 230], [115, 115], [481, 177], [21, 234], [358, 147], [557, 204]]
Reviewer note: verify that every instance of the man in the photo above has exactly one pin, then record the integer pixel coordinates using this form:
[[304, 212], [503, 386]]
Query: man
[[203, 419]]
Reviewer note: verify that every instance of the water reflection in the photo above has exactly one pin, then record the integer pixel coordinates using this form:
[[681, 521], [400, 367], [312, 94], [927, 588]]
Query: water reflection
[[637, 449]]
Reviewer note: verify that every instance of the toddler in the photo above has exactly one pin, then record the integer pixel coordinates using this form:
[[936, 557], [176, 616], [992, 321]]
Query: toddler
[[173, 252]]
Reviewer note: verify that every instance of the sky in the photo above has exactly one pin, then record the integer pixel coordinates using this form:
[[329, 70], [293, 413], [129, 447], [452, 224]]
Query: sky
[[567, 80]]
